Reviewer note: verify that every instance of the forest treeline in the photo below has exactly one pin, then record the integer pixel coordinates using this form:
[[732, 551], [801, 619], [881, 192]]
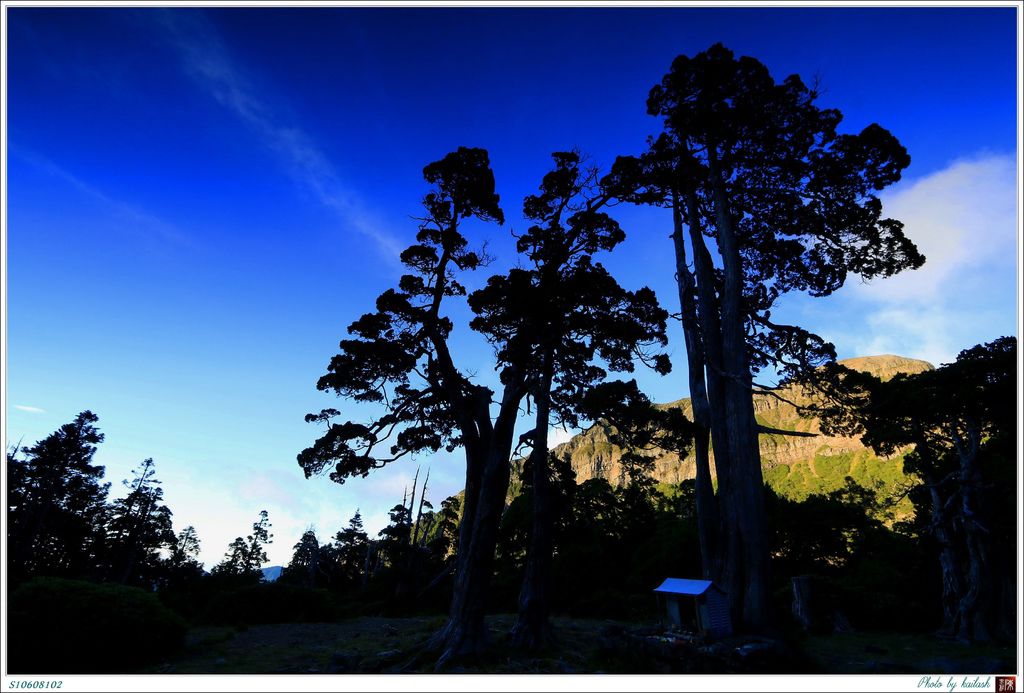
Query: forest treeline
[[763, 197], [119, 580]]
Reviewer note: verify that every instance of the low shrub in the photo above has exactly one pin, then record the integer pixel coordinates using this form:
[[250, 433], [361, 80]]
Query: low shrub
[[70, 627]]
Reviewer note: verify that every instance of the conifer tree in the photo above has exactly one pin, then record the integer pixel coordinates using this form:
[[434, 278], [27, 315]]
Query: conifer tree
[[400, 357], [139, 529], [756, 167], [57, 504]]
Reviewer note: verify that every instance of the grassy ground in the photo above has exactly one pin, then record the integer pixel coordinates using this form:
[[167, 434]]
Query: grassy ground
[[901, 653], [388, 645], [372, 645]]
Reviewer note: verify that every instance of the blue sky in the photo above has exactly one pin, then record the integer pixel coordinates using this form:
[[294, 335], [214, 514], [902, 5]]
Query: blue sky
[[201, 200]]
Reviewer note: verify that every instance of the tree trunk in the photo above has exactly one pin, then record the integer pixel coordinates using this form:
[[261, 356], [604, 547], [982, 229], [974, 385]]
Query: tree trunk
[[952, 583], [729, 560], [532, 630], [740, 422], [367, 564], [975, 611], [707, 509], [804, 603], [465, 633], [312, 568], [476, 450], [419, 512]]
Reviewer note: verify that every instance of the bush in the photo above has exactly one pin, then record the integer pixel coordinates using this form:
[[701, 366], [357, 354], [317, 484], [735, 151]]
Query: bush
[[272, 602], [69, 626]]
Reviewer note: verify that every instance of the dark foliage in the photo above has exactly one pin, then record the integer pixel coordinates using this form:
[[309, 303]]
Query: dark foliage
[[548, 322], [138, 528], [57, 504], [69, 627], [757, 168], [245, 557], [865, 572], [961, 420], [611, 546]]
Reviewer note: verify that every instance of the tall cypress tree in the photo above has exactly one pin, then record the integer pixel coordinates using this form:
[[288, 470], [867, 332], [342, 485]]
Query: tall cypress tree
[[57, 504], [573, 316], [757, 168], [960, 422], [400, 357], [139, 528]]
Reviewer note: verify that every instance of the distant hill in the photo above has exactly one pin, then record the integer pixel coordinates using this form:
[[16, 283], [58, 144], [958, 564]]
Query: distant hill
[[793, 466], [272, 573]]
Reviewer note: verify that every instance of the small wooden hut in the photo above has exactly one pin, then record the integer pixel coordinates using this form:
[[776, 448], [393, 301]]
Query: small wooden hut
[[709, 604]]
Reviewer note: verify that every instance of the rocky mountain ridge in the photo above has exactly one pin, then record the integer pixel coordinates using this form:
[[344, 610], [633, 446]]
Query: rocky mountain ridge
[[793, 465]]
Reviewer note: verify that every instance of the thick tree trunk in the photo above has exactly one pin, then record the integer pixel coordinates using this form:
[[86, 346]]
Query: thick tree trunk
[[478, 437], [532, 630], [952, 583], [729, 562], [465, 633], [740, 422], [475, 457], [975, 611], [707, 509]]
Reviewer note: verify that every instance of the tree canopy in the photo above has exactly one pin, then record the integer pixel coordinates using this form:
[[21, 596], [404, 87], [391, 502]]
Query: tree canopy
[[57, 503], [959, 422], [756, 167]]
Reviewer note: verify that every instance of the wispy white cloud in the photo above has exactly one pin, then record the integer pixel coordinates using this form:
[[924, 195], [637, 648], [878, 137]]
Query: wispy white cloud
[[207, 60], [964, 220], [29, 409], [134, 219]]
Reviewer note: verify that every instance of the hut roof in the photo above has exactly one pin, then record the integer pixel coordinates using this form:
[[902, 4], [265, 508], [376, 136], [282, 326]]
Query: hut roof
[[683, 586]]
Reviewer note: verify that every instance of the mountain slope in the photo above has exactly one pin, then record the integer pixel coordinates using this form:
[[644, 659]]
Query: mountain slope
[[793, 466]]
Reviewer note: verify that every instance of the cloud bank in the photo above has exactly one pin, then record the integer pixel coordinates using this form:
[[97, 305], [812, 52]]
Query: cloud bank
[[964, 219]]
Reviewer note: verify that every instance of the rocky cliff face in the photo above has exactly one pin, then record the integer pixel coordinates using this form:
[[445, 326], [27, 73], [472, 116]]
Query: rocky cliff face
[[818, 461]]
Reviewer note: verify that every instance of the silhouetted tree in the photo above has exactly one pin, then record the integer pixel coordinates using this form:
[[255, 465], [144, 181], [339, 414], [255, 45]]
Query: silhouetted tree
[[139, 529], [756, 166], [344, 559], [445, 528], [529, 315], [57, 504], [568, 314], [961, 420], [245, 557], [402, 358], [424, 503], [304, 567], [257, 541], [394, 538], [182, 565], [186, 547], [399, 356], [235, 561]]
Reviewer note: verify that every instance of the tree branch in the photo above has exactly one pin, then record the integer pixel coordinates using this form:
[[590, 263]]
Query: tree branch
[[780, 432]]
